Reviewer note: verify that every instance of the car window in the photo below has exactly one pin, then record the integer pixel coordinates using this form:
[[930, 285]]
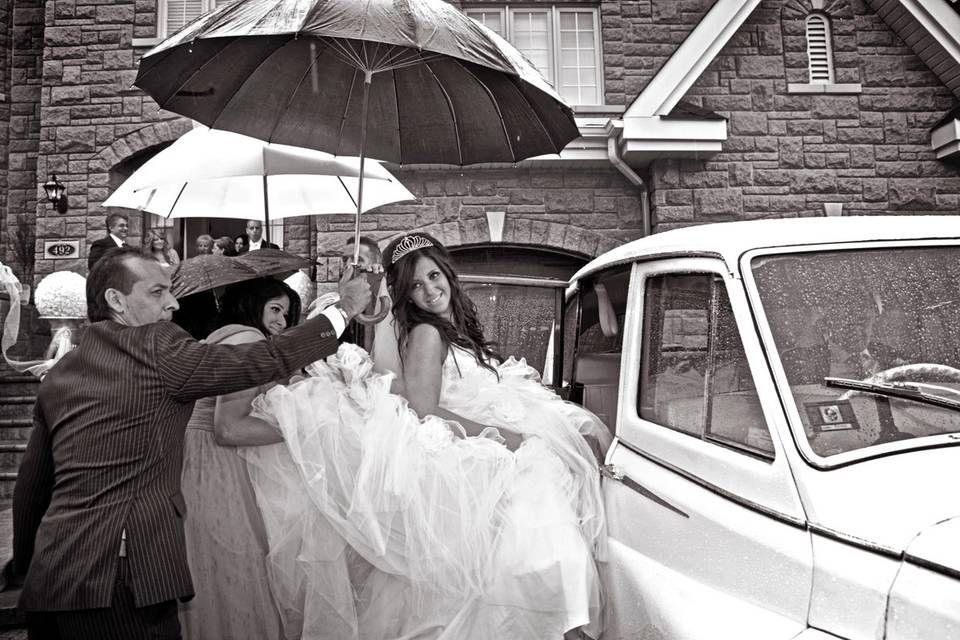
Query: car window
[[694, 375], [596, 319], [886, 315]]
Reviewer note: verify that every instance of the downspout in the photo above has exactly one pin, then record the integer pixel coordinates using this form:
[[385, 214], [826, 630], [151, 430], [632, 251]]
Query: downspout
[[614, 132]]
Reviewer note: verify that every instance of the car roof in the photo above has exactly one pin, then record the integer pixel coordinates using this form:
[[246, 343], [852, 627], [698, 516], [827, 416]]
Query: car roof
[[729, 240]]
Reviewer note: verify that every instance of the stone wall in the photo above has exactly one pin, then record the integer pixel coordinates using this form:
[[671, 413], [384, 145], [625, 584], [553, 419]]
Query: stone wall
[[92, 116], [787, 154], [638, 37], [25, 61], [581, 211], [6, 53]]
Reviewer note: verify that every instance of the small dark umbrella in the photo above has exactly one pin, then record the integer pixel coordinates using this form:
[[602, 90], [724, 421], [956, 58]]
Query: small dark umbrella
[[202, 273]]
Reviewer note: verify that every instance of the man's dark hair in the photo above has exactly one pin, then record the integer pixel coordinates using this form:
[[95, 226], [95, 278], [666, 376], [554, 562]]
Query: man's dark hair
[[113, 217], [369, 243], [112, 271]]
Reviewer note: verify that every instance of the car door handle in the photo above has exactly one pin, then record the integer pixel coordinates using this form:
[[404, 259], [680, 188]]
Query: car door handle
[[613, 473]]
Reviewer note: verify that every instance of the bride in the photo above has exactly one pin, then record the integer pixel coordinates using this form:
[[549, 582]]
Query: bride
[[465, 504]]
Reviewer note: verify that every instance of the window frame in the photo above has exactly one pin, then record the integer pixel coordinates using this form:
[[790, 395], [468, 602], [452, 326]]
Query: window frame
[[716, 288], [553, 12], [767, 484], [162, 10]]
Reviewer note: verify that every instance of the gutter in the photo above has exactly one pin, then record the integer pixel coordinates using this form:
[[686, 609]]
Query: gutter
[[614, 133]]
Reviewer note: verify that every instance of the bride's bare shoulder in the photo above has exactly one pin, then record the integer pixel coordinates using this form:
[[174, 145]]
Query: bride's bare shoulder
[[424, 338]]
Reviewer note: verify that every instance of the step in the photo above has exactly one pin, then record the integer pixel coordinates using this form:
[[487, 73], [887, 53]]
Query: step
[[20, 406], [18, 384]]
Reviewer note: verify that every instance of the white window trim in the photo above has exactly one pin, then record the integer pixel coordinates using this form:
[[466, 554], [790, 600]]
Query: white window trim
[[208, 5], [827, 59], [506, 17]]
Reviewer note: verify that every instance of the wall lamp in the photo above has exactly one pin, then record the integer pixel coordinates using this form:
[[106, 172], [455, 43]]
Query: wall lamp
[[56, 193]]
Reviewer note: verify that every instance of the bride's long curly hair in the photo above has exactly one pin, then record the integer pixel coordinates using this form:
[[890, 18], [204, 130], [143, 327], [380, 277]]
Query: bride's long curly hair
[[464, 331]]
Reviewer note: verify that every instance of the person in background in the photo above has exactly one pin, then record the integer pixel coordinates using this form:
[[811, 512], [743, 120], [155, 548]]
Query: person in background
[[157, 245], [224, 246], [369, 252], [369, 259], [240, 243], [255, 239], [204, 244], [225, 535], [118, 226]]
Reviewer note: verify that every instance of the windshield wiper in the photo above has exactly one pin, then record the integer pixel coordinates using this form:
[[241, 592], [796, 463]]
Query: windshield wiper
[[906, 390]]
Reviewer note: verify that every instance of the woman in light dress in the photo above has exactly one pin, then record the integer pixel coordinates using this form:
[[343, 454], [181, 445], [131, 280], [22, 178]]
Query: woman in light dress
[[156, 244], [465, 505], [225, 536]]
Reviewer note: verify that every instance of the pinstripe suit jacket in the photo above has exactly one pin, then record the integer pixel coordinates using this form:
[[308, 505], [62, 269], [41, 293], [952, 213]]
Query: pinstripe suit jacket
[[105, 456]]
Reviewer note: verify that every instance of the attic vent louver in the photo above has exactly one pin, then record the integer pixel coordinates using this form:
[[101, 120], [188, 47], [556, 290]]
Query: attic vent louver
[[818, 49]]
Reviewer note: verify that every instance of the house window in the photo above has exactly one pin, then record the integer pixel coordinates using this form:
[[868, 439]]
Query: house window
[[562, 43], [173, 15], [818, 49]]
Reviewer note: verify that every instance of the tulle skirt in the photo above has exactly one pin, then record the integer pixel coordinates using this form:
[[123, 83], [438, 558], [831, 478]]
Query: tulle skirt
[[384, 526]]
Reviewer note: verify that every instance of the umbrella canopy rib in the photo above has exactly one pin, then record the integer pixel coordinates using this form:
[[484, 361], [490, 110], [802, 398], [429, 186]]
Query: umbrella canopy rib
[[453, 113], [345, 111], [493, 101], [311, 71]]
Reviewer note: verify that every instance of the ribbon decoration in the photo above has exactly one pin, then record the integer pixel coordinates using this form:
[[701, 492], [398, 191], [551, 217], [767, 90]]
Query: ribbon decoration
[[61, 342]]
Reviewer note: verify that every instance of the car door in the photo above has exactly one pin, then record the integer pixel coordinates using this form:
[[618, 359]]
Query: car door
[[707, 533]]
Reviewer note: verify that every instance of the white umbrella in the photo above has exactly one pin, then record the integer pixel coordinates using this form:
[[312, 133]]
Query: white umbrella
[[209, 173]]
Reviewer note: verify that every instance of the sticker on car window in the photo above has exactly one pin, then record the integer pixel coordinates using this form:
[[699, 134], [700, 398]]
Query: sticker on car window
[[835, 415]]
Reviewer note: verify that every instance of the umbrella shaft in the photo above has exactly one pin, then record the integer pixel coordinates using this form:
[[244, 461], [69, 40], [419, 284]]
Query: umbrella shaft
[[368, 77]]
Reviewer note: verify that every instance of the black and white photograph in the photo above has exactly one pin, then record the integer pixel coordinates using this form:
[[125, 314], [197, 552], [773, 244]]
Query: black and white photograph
[[479, 319]]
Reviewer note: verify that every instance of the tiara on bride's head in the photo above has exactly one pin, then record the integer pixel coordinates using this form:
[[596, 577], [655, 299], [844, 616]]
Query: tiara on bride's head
[[409, 245]]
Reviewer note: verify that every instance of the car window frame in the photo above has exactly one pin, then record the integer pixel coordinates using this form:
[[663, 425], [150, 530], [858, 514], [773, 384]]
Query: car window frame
[[791, 412], [766, 484]]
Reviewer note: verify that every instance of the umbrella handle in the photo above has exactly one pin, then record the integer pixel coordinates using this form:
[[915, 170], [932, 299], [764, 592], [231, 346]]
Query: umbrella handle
[[376, 316]]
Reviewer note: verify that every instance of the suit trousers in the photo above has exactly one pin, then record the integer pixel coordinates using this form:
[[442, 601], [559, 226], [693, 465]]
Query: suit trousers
[[122, 621]]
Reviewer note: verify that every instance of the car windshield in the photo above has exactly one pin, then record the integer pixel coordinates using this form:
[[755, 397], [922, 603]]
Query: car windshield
[[888, 316]]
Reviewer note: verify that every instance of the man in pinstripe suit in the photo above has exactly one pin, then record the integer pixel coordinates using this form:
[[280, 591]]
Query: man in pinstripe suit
[[97, 506]]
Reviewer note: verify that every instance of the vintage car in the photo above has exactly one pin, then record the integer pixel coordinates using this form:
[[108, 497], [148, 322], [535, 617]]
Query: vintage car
[[786, 401]]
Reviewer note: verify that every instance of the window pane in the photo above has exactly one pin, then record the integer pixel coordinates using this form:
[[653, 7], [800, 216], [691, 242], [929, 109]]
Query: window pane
[[674, 351], [180, 12], [493, 20], [531, 35], [735, 414], [694, 364], [578, 57]]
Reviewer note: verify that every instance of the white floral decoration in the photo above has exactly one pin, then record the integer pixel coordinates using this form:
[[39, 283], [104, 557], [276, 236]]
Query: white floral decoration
[[62, 294], [304, 286], [353, 362]]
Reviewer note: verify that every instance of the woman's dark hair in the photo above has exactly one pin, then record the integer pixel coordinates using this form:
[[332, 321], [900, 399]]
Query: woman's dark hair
[[243, 303], [198, 314], [112, 271], [464, 330], [242, 238]]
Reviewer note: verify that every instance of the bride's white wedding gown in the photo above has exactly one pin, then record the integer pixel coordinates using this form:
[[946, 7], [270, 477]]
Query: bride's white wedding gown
[[382, 526]]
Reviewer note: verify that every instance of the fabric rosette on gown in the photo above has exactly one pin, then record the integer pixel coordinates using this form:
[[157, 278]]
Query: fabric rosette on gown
[[427, 534]]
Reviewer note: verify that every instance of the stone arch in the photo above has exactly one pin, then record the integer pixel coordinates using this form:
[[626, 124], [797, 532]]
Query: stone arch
[[136, 141], [554, 235]]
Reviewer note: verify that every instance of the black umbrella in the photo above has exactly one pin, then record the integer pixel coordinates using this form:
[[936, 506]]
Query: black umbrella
[[438, 87]]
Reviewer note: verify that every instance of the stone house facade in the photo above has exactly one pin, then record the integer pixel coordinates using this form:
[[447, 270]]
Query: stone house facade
[[710, 112]]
